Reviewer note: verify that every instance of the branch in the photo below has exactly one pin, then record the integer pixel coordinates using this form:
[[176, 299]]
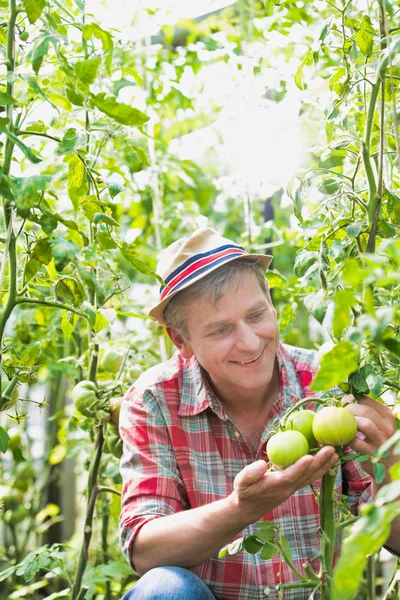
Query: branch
[[26, 300]]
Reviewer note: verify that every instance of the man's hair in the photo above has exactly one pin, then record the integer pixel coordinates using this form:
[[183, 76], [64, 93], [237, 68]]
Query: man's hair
[[214, 287]]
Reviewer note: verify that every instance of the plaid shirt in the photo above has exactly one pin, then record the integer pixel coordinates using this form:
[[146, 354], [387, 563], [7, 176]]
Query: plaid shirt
[[181, 451]]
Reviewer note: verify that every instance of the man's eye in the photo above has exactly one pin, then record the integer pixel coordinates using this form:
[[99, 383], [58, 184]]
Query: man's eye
[[220, 331], [257, 315]]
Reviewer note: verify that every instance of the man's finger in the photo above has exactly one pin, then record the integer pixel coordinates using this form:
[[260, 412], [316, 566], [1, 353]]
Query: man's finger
[[251, 474]]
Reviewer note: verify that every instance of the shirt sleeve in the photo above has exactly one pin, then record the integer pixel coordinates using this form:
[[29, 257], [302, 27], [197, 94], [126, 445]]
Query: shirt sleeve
[[152, 486], [357, 483]]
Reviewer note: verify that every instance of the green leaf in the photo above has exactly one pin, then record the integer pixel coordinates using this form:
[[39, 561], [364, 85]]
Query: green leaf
[[366, 536], [105, 240], [364, 41], [103, 217], [88, 31], [86, 70], [39, 53], [6, 99], [276, 280], [40, 255], [68, 321], [77, 180], [90, 206], [379, 472], [355, 229], [344, 301], [393, 345], [28, 191], [64, 251], [69, 290], [31, 354], [69, 142], [393, 206], [57, 454], [388, 493], [251, 544], [33, 9], [336, 366], [268, 551], [18, 142], [298, 78], [114, 188], [4, 439], [122, 113]]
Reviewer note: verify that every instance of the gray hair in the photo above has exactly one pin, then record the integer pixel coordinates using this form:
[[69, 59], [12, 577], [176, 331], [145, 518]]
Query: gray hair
[[214, 286]]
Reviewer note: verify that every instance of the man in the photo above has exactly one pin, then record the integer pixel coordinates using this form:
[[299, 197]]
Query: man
[[195, 429]]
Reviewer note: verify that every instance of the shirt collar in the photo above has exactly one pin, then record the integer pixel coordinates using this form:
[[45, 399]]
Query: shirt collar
[[197, 394]]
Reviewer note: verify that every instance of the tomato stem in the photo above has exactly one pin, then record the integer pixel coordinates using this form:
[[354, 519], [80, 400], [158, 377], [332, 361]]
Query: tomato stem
[[88, 527], [328, 531], [297, 406]]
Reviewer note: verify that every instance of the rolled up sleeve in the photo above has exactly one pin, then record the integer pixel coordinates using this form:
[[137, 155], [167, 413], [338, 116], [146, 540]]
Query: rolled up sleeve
[[152, 486]]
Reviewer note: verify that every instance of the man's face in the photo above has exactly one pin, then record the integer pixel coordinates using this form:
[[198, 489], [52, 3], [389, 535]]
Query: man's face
[[236, 340]]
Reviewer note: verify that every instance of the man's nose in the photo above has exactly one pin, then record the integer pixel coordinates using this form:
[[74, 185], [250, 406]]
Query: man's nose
[[247, 340]]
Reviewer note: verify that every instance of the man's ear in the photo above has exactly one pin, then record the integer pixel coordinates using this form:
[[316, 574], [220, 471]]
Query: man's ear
[[180, 342]]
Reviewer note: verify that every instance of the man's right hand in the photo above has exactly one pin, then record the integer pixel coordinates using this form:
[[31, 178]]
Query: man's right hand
[[257, 492]]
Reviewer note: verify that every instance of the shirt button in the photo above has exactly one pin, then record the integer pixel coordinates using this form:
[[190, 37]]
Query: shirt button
[[236, 433], [267, 591]]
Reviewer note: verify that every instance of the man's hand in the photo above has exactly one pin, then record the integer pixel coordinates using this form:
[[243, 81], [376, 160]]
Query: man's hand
[[257, 491], [377, 424]]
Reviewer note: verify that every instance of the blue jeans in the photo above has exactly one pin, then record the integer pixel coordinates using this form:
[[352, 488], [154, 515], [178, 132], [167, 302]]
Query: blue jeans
[[169, 583]]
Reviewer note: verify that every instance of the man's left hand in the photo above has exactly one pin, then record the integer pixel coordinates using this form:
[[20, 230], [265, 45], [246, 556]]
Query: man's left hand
[[377, 424]]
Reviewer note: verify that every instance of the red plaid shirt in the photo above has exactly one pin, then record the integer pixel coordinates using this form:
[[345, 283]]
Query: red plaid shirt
[[182, 451]]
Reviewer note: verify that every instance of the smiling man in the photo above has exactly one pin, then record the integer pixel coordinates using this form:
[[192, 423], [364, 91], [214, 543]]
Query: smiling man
[[195, 429]]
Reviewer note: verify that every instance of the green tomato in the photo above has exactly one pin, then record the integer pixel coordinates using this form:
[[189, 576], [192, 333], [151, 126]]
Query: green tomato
[[334, 426], [302, 420], [10, 497], [86, 384], [112, 361], [113, 442], [19, 514], [86, 402], [115, 409], [24, 35], [135, 371], [286, 447], [15, 438]]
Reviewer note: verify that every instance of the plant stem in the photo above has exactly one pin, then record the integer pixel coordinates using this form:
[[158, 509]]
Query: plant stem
[[366, 146], [104, 547], [328, 531], [88, 527], [7, 209], [25, 300], [301, 403], [375, 216]]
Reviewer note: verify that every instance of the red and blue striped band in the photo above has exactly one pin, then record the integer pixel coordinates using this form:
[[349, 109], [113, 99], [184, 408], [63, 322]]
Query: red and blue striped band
[[197, 265]]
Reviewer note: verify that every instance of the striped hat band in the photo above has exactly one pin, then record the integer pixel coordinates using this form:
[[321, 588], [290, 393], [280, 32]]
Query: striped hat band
[[197, 265]]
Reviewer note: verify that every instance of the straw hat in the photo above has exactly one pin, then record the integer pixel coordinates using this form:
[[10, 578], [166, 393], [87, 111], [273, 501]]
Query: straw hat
[[189, 259]]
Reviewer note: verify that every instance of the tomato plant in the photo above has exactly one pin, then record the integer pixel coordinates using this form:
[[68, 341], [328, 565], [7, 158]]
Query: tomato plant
[[334, 426], [286, 447]]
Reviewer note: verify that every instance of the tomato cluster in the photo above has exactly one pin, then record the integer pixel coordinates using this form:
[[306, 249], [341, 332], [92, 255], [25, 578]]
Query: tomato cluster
[[304, 429]]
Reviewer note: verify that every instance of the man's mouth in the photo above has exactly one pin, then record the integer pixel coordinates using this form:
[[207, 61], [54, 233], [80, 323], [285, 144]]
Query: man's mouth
[[248, 362]]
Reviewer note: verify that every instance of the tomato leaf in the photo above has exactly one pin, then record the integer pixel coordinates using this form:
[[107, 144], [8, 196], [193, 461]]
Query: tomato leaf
[[4, 439], [122, 113], [336, 366], [33, 9]]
